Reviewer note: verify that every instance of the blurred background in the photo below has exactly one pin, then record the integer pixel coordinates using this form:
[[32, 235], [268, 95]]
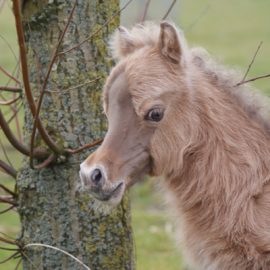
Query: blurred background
[[230, 30]]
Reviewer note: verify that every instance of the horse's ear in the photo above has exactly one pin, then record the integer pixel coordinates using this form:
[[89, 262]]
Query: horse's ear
[[169, 43], [121, 43]]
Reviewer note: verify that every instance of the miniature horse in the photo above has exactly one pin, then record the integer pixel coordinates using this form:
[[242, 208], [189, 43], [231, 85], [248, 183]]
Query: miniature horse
[[174, 112]]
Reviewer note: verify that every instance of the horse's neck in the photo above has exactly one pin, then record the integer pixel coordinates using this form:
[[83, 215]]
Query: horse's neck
[[228, 164]]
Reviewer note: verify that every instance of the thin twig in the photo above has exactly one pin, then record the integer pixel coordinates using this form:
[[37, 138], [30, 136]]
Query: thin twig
[[28, 259], [74, 87], [18, 264], [10, 257], [16, 69], [39, 74], [57, 249], [46, 162], [8, 190], [12, 107], [16, 144], [98, 30], [7, 199], [15, 113], [7, 209], [54, 56], [17, 124], [10, 101], [169, 10], [9, 75], [252, 61], [8, 236], [198, 18], [8, 249], [7, 169], [10, 47], [10, 89], [145, 10], [8, 241], [43, 133], [5, 153], [86, 146], [252, 80]]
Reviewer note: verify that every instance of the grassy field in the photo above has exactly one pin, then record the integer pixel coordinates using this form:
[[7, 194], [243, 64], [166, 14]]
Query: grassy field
[[229, 30]]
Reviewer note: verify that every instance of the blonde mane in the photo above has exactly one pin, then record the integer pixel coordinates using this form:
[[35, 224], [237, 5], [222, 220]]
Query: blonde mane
[[250, 99]]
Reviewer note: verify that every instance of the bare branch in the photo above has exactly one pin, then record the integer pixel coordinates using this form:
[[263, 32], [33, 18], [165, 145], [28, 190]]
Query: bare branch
[[9, 102], [45, 163], [7, 199], [7, 209], [10, 89], [169, 10], [43, 133], [16, 144], [8, 249], [54, 56], [8, 241], [14, 107], [198, 18], [252, 80], [8, 236], [28, 259], [9, 258], [15, 113], [86, 146], [10, 48], [8, 190], [57, 249], [98, 30], [74, 87], [145, 10], [252, 61], [17, 123], [7, 169], [5, 153], [18, 264], [10, 75]]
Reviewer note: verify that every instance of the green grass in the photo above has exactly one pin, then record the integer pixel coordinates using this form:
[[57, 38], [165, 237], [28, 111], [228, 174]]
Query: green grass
[[153, 230], [231, 31]]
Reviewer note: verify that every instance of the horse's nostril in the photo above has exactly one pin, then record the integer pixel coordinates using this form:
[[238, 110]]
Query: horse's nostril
[[96, 176]]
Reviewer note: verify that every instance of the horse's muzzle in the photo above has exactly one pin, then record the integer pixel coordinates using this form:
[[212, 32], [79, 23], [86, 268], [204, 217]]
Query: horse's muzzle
[[94, 179]]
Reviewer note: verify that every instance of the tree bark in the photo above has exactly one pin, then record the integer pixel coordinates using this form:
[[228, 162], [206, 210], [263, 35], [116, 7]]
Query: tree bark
[[52, 210]]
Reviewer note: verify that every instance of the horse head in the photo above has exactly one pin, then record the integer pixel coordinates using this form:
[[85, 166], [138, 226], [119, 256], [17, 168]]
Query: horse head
[[144, 96]]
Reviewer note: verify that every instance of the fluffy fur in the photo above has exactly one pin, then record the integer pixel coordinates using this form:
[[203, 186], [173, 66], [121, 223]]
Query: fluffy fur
[[213, 148]]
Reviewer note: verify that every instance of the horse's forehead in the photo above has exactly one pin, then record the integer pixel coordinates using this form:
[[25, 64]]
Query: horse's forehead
[[135, 83], [116, 92]]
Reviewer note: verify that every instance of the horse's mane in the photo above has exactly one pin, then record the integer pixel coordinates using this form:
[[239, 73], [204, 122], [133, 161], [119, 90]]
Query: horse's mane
[[224, 78]]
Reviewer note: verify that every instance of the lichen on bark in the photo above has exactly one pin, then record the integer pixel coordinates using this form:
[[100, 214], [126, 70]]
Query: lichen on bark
[[51, 208]]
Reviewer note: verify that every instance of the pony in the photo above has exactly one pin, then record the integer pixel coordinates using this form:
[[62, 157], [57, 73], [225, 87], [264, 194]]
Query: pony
[[175, 113]]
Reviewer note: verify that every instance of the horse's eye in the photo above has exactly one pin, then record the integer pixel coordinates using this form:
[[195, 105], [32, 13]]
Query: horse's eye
[[155, 115]]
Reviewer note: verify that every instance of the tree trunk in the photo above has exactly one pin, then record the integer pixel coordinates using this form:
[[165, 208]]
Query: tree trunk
[[51, 208]]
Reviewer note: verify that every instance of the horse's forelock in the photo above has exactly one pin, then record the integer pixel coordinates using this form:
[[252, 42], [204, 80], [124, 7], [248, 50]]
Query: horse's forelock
[[124, 42]]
